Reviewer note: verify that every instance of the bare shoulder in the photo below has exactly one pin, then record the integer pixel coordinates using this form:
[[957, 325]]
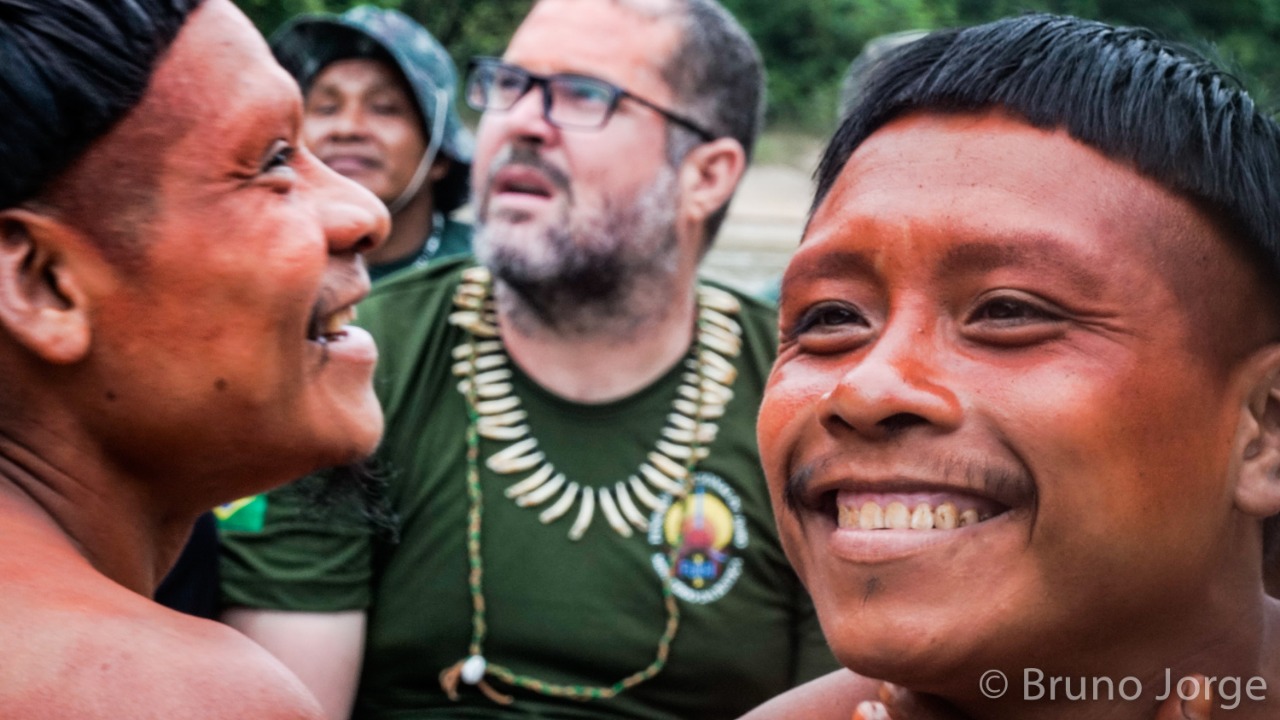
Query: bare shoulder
[[830, 697], [107, 653]]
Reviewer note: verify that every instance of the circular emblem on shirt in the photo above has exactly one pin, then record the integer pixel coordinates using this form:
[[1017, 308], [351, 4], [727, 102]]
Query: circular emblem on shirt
[[708, 528]]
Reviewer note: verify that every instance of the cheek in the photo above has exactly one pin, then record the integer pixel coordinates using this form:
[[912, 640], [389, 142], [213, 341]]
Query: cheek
[[789, 415], [1131, 460]]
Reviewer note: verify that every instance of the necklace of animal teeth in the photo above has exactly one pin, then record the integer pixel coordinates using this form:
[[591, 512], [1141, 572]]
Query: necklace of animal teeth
[[482, 363], [494, 413]]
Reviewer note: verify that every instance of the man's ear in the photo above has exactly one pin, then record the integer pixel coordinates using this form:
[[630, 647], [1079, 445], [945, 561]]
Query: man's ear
[[42, 304], [709, 174], [1257, 489]]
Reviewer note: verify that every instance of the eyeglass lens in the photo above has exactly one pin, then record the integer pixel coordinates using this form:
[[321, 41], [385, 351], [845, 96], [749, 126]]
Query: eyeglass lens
[[569, 100]]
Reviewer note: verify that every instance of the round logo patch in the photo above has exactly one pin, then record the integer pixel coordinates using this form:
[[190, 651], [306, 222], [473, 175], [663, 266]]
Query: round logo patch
[[710, 531]]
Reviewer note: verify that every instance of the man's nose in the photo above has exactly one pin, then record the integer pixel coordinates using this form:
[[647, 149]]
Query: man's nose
[[347, 121], [897, 384], [354, 219]]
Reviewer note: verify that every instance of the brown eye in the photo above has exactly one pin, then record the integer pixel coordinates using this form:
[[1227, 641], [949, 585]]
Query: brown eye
[[1011, 310], [829, 328], [280, 157]]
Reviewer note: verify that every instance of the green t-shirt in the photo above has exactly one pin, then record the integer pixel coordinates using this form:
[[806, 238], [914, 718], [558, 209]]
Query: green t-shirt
[[588, 612], [449, 238]]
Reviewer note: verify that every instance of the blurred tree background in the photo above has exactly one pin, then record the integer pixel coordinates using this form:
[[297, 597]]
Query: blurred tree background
[[808, 44]]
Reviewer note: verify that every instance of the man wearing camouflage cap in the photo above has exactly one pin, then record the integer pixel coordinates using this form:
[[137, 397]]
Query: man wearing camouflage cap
[[379, 109]]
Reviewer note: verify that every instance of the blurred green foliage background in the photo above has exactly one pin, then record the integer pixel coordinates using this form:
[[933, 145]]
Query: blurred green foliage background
[[808, 44]]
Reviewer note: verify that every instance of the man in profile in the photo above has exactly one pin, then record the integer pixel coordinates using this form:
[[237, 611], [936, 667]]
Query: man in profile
[[584, 527], [176, 278], [1023, 433]]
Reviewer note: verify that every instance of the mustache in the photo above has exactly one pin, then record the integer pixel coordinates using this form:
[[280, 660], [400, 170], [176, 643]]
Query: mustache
[[526, 156], [1012, 486]]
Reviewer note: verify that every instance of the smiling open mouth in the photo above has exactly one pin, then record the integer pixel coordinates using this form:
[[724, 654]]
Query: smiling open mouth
[[862, 511], [332, 327]]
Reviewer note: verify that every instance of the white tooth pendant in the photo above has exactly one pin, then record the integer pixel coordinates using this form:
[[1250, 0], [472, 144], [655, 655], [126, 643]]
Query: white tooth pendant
[[716, 317], [705, 435], [474, 322], [661, 482], [501, 432], [585, 513], [531, 483], [482, 363], [718, 339], [493, 376], [707, 411], [543, 493], [668, 466], [719, 343], [478, 274], [718, 299], [516, 457], [484, 347], [498, 406], [611, 513], [643, 494], [504, 419], [629, 509], [490, 391], [561, 506]]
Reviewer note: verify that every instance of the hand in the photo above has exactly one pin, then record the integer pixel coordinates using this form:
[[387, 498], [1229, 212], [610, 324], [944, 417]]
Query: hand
[[898, 703]]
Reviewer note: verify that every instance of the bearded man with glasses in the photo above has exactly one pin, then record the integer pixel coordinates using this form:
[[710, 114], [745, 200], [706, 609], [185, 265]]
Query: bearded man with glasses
[[584, 530]]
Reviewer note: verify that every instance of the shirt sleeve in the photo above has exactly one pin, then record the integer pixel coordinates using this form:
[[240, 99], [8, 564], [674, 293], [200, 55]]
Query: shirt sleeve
[[285, 550]]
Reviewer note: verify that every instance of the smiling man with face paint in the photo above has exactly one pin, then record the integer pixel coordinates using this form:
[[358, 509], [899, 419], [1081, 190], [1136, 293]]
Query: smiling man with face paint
[[176, 278], [1025, 417]]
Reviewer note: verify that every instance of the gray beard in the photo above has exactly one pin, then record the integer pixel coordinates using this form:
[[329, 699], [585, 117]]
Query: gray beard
[[606, 275]]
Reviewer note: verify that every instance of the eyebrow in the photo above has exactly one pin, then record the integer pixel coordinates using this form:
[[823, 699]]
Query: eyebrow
[[836, 264], [1025, 251]]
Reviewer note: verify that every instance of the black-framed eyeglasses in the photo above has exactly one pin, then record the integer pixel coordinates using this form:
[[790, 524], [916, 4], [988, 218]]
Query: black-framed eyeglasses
[[579, 102]]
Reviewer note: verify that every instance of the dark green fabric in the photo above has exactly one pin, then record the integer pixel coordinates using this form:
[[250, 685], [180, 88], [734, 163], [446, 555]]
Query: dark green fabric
[[588, 612], [455, 240]]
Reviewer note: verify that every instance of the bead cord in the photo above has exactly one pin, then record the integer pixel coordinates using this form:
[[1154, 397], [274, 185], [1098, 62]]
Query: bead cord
[[712, 371]]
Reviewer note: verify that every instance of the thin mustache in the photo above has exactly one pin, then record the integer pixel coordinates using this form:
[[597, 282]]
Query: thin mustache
[[1012, 486], [527, 157]]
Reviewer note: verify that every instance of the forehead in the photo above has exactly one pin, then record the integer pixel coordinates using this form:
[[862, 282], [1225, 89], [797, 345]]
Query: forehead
[[359, 74], [217, 89], [626, 43], [994, 176]]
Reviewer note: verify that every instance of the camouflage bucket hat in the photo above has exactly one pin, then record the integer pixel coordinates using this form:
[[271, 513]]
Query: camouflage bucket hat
[[308, 43]]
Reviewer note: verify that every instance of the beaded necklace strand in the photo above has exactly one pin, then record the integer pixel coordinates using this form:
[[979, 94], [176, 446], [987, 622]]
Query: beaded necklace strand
[[669, 468]]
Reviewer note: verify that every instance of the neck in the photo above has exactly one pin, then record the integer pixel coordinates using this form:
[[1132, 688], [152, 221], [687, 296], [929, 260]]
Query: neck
[[603, 353], [410, 228], [105, 520]]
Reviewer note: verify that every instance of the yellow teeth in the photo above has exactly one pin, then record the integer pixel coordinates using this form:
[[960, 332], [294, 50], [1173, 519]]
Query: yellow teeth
[[922, 517], [897, 516], [335, 323], [944, 518]]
